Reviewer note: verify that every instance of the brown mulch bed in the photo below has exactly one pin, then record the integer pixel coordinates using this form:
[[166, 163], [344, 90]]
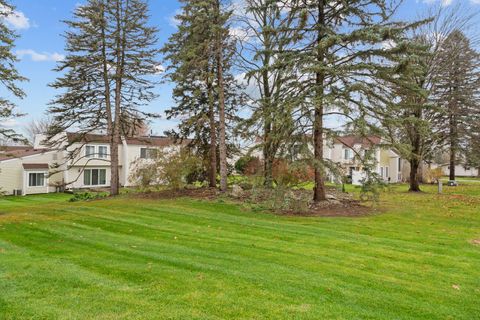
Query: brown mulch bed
[[343, 206], [347, 208], [199, 193]]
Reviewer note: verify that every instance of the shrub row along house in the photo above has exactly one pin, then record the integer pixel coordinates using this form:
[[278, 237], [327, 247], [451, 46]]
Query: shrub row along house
[[78, 162]]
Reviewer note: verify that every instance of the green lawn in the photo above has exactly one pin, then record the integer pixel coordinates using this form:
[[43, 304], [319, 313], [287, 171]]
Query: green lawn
[[188, 259]]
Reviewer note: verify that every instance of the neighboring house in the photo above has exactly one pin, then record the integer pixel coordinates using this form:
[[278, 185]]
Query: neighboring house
[[346, 151], [78, 162], [25, 170], [460, 170]]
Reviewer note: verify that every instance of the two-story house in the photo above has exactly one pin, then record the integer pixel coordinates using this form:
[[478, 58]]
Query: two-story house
[[348, 150], [78, 161]]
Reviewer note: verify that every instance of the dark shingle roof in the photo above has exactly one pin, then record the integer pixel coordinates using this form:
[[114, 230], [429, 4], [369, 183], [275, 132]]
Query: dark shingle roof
[[152, 140], [351, 141], [7, 153]]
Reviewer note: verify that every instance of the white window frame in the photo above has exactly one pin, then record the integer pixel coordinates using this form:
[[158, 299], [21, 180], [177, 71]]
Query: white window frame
[[90, 182], [87, 154], [382, 172], [147, 154], [387, 173], [102, 155], [37, 172], [349, 152]]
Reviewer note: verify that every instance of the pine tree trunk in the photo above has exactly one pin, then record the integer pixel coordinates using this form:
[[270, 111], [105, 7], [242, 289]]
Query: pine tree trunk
[[120, 52], [222, 143], [319, 189], [114, 176], [213, 138], [452, 164], [268, 154], [453, 146], [414, 184], [268, 159]]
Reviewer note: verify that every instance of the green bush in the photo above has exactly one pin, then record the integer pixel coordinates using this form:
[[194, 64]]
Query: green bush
[[248, 165], [87, 196], [173, 169]]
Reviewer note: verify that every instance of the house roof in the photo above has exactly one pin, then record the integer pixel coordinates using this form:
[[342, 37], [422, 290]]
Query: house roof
[[351, 141], [35, 166], [9, 152], [151, 140]]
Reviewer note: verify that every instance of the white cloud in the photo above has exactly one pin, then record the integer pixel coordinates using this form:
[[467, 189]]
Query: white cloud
[[36, 56], [14, 18], [444, 3]]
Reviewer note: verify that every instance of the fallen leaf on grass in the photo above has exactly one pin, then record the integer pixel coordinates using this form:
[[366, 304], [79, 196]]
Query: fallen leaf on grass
[[476, 242], [456, 286]]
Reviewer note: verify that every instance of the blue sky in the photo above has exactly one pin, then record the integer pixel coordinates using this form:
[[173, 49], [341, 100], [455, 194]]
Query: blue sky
[[39, 25]]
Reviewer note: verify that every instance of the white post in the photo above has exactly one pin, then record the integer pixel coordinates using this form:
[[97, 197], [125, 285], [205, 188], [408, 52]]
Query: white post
[[47, 177], [25, 179]]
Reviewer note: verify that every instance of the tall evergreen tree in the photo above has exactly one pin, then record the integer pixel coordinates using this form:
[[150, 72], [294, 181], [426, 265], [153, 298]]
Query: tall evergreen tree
[[111, 57], [407, 113], [198, 60], [337, 60], [457, 94], [9, 75], [188, 54]]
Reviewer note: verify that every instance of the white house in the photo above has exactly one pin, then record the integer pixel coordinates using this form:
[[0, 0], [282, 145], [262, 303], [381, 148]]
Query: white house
[[346, 150], [39, 169]]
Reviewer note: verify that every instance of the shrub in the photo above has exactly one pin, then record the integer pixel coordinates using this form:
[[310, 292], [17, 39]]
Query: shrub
[[433, 175], [289, 175], [248, 165], [87, 196], [174, 169], [371, 188]]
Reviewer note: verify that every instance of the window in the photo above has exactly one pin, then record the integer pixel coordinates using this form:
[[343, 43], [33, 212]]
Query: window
[[94, 177], [386, 172], [36, 179], [102, 151], [348, 155], [89, 151], [381, 172], [148, 153], [399, 164]]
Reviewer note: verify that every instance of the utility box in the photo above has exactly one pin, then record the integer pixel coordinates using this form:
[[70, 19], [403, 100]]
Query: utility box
[[452, 183]]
